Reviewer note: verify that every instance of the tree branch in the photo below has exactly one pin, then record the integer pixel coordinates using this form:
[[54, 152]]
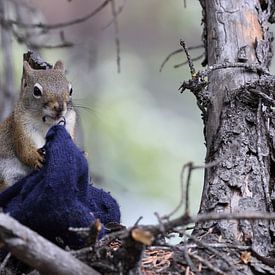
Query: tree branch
[[58, 25], [31, 248]]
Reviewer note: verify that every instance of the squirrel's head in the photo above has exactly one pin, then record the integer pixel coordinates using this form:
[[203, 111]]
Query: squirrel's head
[[46, 94]]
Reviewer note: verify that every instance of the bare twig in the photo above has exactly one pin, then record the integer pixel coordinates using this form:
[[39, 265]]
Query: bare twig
[[184, 4], [207, 263], [221, 246], [118, 12], [54, 46], [263, 95], [58, 25], [171, 225], [114, 13], [253, 67], [25, 39], [212, 216], [190, 62], [185, 186], [186, 62], [187, 258], [176, 52], [168, 57], [138, 220], [80, 252], [4, 262], [206, 246], [162, 229], [188, 180], [199, 79], [183, 191]]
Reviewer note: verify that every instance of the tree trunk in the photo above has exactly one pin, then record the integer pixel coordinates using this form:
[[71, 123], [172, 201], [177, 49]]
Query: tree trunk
[[236, 131], [7, 89]]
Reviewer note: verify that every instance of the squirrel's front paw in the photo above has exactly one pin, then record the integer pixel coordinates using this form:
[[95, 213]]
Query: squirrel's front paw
[[39, 159], [32, 157]]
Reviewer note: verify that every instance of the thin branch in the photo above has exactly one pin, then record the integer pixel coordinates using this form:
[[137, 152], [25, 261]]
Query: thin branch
[[263, 95], [4, 262], [207, 263], [82, 251], [184, 4], [199, 82], [190, 62], [160, 221], [185, 186], [35, 46], [176, 52], [186, 62], [253, 216], [118, 12], [253, 67], [58, 25], [172, 225], [188, 181], [212, 216], [188, 259], [220, 245], [183, 191], [137, 221], [56, 46], [211, 249], [168, 57], [114, 13]]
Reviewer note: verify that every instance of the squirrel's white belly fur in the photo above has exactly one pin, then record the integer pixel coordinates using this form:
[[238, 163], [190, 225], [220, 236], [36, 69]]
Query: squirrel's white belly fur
[[12, 170]]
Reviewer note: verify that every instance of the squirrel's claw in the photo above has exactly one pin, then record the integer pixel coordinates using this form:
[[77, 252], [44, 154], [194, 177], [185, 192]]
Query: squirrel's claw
[[42, 151], [39, 158]]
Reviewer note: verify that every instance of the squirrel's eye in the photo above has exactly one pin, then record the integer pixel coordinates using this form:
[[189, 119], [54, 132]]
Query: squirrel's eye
[[70, 90], [37, 90]]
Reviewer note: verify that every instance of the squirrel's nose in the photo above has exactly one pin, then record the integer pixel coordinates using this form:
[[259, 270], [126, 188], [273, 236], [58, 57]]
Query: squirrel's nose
[[58, 107]]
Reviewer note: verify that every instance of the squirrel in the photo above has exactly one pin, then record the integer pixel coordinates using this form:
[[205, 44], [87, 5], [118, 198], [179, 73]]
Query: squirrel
[[45, 100]]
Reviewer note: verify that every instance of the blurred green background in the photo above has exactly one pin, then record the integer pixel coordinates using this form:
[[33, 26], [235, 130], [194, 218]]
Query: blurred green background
[[138, 129]]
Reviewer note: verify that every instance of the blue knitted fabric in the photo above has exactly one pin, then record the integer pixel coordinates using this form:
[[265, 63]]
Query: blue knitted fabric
[[59, 196]]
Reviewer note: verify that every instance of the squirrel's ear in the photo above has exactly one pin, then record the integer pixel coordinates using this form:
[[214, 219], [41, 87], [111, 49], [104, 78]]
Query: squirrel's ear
[[26, 68], [59, 66]]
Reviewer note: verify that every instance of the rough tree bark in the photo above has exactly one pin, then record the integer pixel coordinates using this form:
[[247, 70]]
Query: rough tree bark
[[237, 130]]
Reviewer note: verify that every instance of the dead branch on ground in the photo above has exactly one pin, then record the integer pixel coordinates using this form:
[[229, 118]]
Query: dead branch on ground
[[31, 248]]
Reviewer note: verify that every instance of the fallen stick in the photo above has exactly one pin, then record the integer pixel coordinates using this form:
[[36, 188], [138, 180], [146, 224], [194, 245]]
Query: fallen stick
[[39, 253]]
